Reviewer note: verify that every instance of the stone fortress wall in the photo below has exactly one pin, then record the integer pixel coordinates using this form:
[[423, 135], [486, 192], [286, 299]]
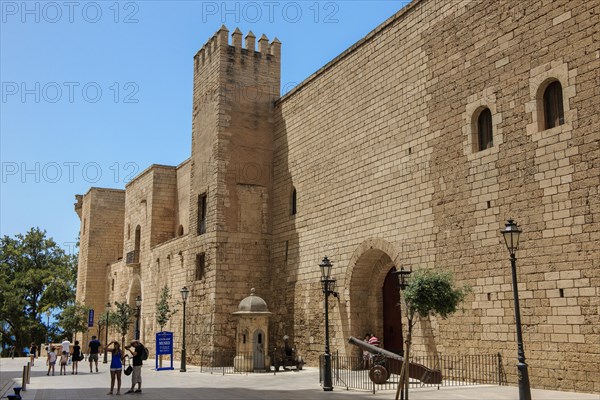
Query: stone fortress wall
[[374, 161]]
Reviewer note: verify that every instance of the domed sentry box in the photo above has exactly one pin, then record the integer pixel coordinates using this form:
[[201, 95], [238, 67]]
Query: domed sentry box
[[252, 335]]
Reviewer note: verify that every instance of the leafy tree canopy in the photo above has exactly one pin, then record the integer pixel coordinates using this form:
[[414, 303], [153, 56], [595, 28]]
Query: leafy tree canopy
[[73, 319], [35, 275], [432, 291]]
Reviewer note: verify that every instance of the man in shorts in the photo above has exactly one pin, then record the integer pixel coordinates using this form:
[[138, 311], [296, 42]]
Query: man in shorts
[[93, 350], [136, 350]]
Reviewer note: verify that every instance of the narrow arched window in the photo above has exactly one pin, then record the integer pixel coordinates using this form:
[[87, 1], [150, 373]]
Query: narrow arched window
[[138, 238], [180, 230], [485, 137], [553, 106], [294, 202], [202, 206]]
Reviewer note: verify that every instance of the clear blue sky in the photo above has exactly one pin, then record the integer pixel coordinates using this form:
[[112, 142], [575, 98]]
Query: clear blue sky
[[94, 92]]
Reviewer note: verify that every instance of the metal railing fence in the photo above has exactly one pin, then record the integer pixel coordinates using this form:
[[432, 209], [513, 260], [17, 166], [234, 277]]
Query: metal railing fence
[[458, 370], [236, 362]]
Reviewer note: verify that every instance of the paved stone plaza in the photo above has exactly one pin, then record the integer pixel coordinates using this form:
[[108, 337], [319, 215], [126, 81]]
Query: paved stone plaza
[[196, 385]]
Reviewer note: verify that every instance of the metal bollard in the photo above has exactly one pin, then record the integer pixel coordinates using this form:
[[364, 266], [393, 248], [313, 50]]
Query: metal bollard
[[28, 372], [24, 379]]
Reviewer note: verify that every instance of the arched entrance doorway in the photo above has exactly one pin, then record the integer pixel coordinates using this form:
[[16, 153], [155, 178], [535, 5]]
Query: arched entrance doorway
[[374, 295], [392, 315], [258, 348]]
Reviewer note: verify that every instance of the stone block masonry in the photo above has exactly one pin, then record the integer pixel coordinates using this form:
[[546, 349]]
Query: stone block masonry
[[380, 160]]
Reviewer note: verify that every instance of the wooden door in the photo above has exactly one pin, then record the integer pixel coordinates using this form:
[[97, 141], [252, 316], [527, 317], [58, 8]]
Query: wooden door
[[392, 316]]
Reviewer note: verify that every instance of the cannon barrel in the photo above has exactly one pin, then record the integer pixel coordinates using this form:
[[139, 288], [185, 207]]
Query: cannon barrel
[[374, 349]]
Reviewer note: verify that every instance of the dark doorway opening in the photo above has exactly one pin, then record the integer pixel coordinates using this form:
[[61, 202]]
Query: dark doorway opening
[[392, 314]]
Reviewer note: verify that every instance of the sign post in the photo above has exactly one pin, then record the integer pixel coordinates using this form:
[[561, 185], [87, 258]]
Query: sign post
[[164, 346]]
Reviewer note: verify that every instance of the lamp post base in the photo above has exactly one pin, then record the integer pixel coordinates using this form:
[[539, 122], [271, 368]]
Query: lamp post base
[[327, 381], [183, 366], [524, 388]]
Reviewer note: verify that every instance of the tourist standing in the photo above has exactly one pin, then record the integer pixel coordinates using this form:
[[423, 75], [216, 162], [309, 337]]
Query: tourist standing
[[93, 350], [32, 351], [116, 366], [64, 359], [366, 354], [75, 357], [66, 346], [136, 350], [374, 341], [51, 361]]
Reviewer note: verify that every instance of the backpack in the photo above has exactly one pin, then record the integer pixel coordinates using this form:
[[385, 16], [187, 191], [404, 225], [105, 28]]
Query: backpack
[[145, 352]]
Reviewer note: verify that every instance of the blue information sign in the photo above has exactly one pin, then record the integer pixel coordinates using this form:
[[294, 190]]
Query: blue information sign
[[164, 346], [91, 318]]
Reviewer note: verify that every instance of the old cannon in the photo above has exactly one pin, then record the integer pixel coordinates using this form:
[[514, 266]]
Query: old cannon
[[385, 363], [286, 357]]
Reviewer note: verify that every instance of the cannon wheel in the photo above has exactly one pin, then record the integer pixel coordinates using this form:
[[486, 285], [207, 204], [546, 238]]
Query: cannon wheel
[[378, 374]]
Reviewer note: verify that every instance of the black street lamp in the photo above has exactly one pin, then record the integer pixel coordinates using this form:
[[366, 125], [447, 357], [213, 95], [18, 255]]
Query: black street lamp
[[138, 308], [402, 278], [511, 236], [328, 288], [184, 295], [106, 335]]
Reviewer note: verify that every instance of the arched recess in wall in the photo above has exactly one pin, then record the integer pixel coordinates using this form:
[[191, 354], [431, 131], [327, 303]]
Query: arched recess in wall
[[180, 230], [138, 238], [135, 290], [364, 282]]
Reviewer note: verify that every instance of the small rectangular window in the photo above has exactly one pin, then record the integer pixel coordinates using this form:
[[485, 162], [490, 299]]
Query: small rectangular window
[[112, 285], [200, 266], [202, 214]]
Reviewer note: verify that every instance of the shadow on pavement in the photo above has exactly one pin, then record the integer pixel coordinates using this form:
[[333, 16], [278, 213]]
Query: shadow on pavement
[[232, 393]]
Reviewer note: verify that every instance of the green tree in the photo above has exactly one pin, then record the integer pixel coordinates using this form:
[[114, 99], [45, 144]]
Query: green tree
[[432, 292], [35, 275], [73, 319], [123, 317], [429, 292], [163, 309]]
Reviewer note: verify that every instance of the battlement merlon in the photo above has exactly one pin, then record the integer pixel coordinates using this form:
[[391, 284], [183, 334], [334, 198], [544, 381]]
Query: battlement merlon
[[220, 40], [78, 204]]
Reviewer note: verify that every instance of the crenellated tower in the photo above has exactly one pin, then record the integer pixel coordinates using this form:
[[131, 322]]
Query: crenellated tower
[[235, 87], [101, 212]]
